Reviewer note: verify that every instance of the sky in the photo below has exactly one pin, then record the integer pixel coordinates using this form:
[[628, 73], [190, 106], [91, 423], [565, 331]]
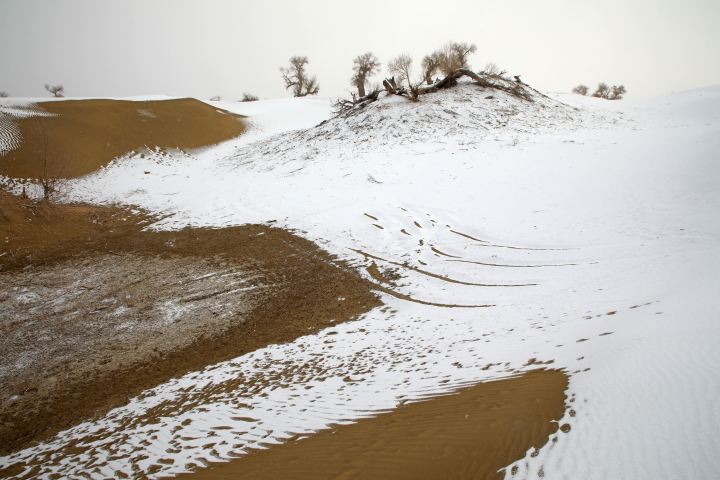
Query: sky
[[227, 47]]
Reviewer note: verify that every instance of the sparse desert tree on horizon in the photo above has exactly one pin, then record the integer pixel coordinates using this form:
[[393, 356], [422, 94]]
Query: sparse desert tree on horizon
[[602, 90], [3, 94], [297, 80], [364, 67], [57, 91], [615, 92], [249, 97], [581, 89]]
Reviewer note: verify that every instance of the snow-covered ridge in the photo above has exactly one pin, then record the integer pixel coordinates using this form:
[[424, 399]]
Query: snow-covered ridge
[[456, 118]]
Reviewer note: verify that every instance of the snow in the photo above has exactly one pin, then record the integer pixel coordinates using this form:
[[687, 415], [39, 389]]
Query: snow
[[594, 230]]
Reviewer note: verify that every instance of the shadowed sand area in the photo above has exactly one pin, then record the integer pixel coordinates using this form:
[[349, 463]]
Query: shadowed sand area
[[469, 434], [94, 309], [83, 135]]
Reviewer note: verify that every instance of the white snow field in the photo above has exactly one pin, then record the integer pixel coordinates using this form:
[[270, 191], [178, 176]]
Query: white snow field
[[575, 231]]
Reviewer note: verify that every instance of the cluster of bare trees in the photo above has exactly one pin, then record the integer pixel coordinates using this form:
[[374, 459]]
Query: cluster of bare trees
[[446, 60], [451, 61], [615, 92], [451, 57]]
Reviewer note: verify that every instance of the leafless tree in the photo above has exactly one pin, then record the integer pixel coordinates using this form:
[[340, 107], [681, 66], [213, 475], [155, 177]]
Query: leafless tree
[[454, 56], [297, 80], [617, 92], [430, 65], [249, 97], [216, 98], [49, 177], [57, 91], [364, 67], [602, 90], [400, 67], [581, 89], [3, 95]]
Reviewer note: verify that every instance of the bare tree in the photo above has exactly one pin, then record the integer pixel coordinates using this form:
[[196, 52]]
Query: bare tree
[[3, 95], [297, 80], [57, 91], [249, 97], [216, 98], [602, 90], [49, 177], [400, 67], [430, 65], [454, 56], [581, 89], [364, 66], [617, 92]]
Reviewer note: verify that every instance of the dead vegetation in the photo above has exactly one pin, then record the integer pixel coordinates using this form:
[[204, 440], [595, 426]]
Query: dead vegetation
[[413, 91], [452, 60]]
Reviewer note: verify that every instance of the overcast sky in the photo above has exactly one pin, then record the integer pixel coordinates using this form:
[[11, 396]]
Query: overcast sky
[[227, 47]]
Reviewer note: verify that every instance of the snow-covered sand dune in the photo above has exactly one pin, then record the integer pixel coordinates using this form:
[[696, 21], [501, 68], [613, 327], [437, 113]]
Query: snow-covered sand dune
[[583, 237]]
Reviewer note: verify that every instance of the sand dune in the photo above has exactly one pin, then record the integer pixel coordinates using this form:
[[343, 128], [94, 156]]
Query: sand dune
[[469, 434], [80, 136]]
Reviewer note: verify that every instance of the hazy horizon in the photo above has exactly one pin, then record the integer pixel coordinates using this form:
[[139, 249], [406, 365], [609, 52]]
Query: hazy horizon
[[225, 48]]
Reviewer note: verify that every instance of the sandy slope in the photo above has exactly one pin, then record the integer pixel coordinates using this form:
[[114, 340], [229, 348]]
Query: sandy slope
[[470, 434], [79, 136], [585, 238]]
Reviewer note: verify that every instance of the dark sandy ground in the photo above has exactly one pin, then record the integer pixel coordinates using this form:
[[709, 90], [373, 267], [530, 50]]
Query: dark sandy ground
[[94, 310]]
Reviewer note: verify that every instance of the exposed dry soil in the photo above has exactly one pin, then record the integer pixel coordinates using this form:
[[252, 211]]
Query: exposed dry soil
[[93, 309]]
